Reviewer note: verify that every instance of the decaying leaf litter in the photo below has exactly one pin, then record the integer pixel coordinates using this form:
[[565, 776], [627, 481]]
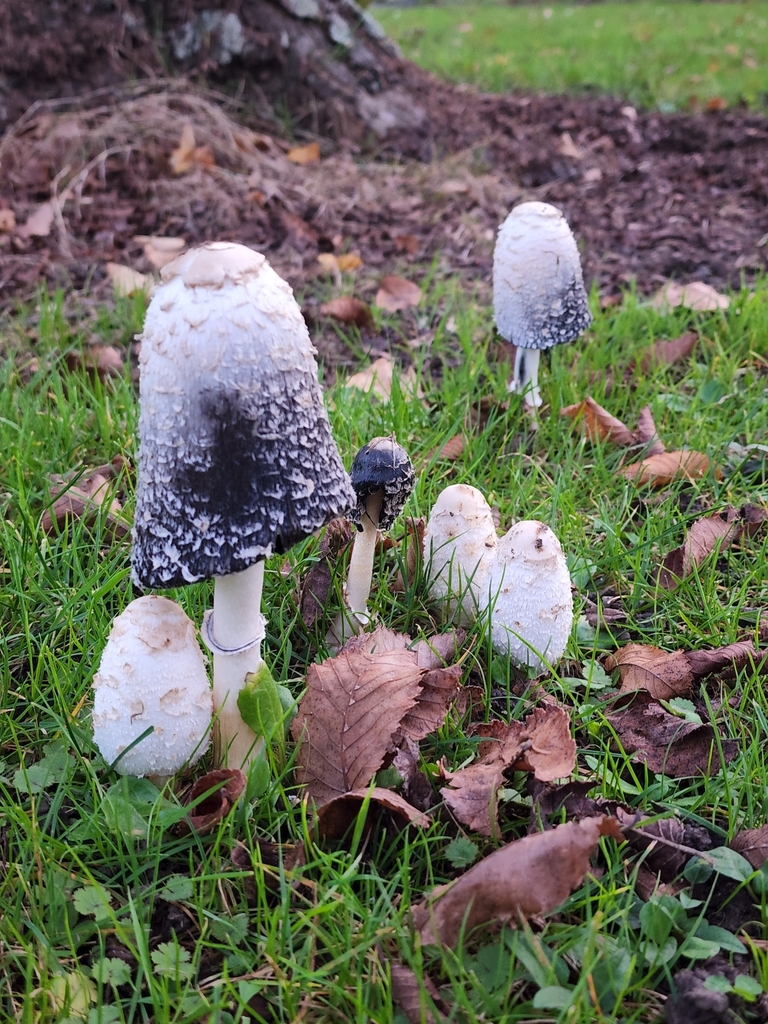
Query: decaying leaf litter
[[667, 747]]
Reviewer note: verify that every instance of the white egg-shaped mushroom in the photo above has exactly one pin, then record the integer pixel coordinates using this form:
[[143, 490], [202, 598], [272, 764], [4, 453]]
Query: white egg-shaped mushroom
[[152, 673], [459, 546], [530, 597]]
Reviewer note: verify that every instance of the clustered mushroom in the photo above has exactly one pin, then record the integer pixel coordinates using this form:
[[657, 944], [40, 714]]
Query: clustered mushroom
[[538, 289]]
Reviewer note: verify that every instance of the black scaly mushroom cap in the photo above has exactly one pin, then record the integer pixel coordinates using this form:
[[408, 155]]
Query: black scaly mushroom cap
[[236, 458], [382, 465]]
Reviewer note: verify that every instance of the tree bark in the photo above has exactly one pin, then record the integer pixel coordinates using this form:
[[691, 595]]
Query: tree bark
[[325, 65]]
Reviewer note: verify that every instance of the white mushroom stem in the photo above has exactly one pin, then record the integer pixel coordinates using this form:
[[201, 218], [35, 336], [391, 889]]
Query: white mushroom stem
[[360, 575], [235, 632], [525, 379]]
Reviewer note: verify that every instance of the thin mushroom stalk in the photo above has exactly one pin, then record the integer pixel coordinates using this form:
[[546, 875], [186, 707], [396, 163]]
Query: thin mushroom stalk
[[383, 478]]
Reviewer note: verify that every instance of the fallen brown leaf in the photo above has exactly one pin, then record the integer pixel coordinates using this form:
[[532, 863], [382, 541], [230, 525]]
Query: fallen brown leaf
[[599, 425], [754, 518], [349, 261], [377, 378], [696, 295], [407, 243], [417, 787], [541, 744], [452, 449], [665, 843], [187, 154], [646, 433], [529, 877], [660, 470], [733, 657], [439, 687], [84, 500], [348, 310], [316, 586], [335, 817], [408, 993], [667, 353], [752, 843], [299, 234], [716, 531], [39, 223], [102, 361], [228, 785], [663, 674], [7, 221], [667, 744], [303, 155], [159, 249], [127, 281], [396, 293], [345, 723], [604, 614]]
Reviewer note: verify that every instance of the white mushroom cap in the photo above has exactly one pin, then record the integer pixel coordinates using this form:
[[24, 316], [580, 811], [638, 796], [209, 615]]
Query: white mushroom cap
[[236, 457], [538, 288], [531, 599], [459, 545], [152, 672]]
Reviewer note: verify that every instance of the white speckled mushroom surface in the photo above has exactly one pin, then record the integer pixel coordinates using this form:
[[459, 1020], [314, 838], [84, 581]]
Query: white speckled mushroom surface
[[152, 673], [236, 456], [459, 545], [538, 288], [531, 599]]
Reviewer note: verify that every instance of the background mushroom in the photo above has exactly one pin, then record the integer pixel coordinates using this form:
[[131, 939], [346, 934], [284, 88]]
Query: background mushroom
[[152, 673], [236, 456], [538, 289], [459, 546], [382, 476], [530, 597]]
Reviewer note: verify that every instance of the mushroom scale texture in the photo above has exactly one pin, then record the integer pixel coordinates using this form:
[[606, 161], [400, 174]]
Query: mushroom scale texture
[[459, 547], [152, 673], [236, 456], [530, 597], [381, 465], [538, 288]]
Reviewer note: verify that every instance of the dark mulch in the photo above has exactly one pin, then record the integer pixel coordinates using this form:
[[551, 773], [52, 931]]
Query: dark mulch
[[650, 196]]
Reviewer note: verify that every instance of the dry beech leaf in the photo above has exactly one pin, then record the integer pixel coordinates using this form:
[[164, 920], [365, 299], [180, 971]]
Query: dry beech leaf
[[667, 744], [335, 817], [188, 155], [303, 155], [408, 993], [127, 281], [599, 425], [159, 249], [715, 531], [298, 233], [39, 223], [348, 310], [439, 687], [316, 585], [102, 360], [83, 501], [646, 433], [7, 221], [696, 295], [377, 378], [733, 657], [541, 744], [353, 706], [752, 843], [667, 353], [407, 243], [452, 449], [529, 877], [228, 785], [663, 674], [660, 470], [349, 261], [396, 293], [417, 787]]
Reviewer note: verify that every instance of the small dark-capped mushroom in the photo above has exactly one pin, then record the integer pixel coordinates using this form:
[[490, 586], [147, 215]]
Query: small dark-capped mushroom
[[382, 476], [538, 289]]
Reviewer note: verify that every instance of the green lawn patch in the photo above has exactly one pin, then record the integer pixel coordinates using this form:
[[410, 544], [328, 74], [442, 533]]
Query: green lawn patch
[[672, 56]]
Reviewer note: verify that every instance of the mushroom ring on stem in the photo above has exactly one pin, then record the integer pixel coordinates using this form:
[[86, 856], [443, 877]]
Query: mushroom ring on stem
[[236, 458], [459, 546], [152, 674], [530, 597], [382, 476], [538, 289]]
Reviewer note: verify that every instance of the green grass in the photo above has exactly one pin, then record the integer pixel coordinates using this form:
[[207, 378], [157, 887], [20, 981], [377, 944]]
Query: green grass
[[204, 939], [671, 56]]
